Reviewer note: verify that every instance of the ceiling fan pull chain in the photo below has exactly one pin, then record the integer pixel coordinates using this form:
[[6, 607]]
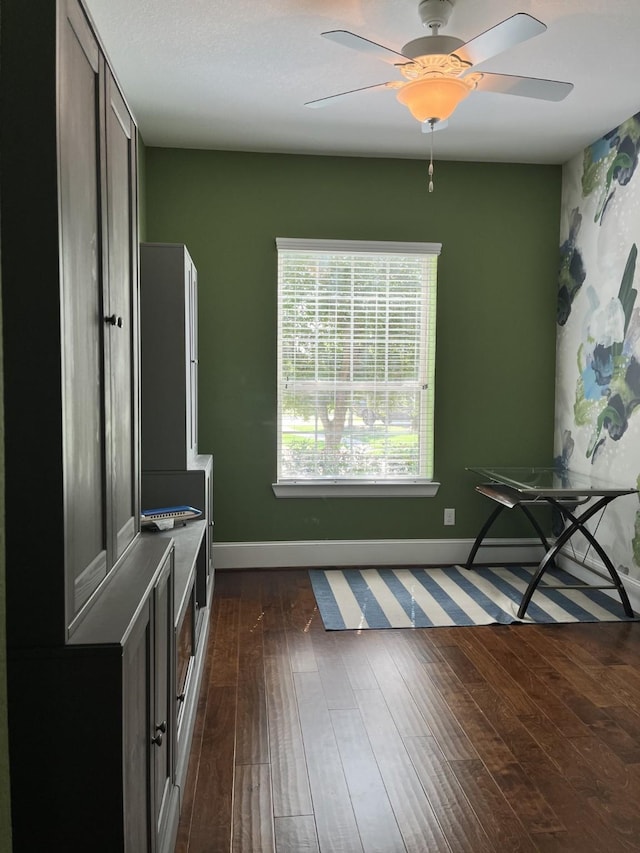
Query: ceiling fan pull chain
[[431, 161]]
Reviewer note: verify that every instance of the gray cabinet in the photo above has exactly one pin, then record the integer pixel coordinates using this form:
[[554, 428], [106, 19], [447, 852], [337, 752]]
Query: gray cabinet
[[90, 618], [98, 209], [173, 472], [103, 701], [70, 317], [169, 329], [191, 634]]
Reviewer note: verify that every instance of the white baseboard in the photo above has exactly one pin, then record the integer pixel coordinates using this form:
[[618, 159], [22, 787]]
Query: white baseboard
[[631, 585], [398, 552], [382, 552]]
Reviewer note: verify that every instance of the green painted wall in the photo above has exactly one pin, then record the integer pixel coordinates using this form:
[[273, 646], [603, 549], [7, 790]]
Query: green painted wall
[[499, 226]]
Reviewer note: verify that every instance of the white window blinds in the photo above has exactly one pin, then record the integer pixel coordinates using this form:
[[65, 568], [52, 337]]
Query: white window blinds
[[356, 348]]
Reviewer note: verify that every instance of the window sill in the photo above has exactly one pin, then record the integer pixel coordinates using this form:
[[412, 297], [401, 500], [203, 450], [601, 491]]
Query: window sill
[[355, 489]]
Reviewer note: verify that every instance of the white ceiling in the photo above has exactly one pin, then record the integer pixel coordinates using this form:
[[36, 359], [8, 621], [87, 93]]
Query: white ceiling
[[235, 74]]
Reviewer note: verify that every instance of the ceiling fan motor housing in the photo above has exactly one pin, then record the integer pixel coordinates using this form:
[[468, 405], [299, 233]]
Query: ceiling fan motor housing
[[435, 13], [430, 45]]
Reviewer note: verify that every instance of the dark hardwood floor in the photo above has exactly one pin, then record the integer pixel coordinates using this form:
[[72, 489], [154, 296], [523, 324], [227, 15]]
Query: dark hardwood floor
[[517, 738]]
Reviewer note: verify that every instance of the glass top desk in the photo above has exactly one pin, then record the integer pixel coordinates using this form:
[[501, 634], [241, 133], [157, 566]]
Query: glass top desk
[[566, 491]]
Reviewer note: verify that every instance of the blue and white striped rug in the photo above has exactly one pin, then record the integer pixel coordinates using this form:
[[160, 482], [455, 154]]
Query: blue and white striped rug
[[436, 597]]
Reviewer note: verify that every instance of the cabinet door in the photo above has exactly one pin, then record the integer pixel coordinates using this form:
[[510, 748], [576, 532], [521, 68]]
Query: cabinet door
[[163, 717], [80, 131], [137, 736], [192, 363], [122, 316]]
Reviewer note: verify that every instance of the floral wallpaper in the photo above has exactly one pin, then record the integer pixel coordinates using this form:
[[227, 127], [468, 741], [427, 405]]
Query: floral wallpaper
[[597, 422]]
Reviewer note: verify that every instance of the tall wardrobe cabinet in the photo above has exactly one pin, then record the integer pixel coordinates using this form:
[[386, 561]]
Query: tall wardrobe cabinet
[[70, 306], [173, 471], [90, 617]]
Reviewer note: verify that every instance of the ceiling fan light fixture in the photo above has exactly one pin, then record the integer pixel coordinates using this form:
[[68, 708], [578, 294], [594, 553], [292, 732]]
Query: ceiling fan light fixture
[[434, 98]]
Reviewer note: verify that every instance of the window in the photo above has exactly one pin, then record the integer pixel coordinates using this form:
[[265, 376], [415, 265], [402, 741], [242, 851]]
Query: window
[[356, 348]]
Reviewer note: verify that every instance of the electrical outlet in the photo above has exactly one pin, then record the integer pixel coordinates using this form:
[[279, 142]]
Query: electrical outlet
[[449, 516]]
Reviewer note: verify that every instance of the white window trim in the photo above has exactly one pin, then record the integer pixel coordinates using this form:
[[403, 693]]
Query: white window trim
[[355, 489], [367, 247], [343, 488]]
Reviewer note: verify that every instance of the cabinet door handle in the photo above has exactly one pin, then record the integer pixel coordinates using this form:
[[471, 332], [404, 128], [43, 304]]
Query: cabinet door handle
[[181, 697], [161, 727], [114, 320], [157, 740]]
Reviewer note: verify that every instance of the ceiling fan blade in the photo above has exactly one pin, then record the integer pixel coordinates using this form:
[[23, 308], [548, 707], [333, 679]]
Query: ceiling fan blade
[[493, 41], [322, 102], [439, 125], [527, 87], [344, 37]]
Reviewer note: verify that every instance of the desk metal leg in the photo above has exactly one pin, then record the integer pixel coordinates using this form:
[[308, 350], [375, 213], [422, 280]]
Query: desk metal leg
[[577, 524], [482, 534], [536, 526], [485, 529]]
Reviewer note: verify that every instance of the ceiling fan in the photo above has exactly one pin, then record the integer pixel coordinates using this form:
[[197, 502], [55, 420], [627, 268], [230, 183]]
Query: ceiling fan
[[437, 68]]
